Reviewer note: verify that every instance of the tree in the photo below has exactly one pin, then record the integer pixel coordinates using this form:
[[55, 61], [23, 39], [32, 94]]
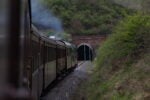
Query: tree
[[87, 16], [146, 6]]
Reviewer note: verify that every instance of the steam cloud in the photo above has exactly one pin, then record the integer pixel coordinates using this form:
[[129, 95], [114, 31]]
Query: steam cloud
[[43, 17]]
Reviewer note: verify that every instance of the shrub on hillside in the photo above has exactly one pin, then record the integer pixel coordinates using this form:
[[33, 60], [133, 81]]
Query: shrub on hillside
[[87, 16], [131, 37]]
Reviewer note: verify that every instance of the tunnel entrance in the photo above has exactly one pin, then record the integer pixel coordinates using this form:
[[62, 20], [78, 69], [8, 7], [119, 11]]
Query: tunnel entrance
[[85, 52]]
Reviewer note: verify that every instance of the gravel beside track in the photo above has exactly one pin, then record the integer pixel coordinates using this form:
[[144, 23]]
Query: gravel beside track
[[66, 89]]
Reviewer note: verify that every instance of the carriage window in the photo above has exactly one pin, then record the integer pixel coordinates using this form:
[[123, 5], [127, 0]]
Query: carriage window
[[3, 16], [35, 55], [51, 54], [42, 54], [47, 58], [3, 39]]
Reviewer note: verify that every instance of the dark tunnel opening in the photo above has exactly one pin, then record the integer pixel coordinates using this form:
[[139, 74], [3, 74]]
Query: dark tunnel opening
[[85, 53]]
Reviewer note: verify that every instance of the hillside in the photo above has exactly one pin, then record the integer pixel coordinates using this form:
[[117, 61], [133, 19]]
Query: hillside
[[140, 5], [123, 64], [133, 4], [87, 16]]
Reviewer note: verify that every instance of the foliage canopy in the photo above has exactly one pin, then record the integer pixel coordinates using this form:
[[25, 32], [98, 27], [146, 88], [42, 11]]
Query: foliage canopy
[[87, 16]]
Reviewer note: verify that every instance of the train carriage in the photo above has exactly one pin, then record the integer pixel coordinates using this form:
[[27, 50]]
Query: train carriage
[[61, 57], [35, 54], [68, 55], [49, 61], [74, 56], [71, 55]]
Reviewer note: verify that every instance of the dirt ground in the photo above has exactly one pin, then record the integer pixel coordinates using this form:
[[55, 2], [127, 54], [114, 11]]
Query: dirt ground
[[67, 88]]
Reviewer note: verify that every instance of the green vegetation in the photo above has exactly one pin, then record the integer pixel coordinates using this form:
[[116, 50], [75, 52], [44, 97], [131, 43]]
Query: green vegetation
[[146, 6], [133, 4], [141, 5], [123, 63], [87, 16]]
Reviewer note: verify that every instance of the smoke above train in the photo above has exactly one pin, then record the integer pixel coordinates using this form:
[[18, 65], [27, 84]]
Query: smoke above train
[[43, 18]]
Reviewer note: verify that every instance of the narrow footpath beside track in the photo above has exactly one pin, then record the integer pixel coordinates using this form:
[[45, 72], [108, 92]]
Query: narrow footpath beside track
[[66, 89]]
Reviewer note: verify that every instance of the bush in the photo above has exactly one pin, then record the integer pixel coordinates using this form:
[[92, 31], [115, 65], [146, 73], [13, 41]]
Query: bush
[[130, 37]]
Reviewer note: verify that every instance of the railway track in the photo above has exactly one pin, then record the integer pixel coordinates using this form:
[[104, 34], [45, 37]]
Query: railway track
[[66, 88], [80, 63], [59, 79]]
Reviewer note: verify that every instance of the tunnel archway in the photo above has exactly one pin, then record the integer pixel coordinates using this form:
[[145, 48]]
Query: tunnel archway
[[85, 52]]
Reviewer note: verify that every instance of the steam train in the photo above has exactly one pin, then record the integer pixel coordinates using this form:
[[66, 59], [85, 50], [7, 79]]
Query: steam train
[[30, 61], [50, 59]]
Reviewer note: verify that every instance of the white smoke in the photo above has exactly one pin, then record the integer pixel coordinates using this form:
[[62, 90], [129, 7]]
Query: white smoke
[[43, 17]]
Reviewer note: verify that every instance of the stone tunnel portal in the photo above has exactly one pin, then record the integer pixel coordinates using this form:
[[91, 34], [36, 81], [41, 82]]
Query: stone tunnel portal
[[85, 52]]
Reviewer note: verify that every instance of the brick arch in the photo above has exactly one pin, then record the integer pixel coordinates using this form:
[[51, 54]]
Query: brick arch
[[86, 45], [93, 40]]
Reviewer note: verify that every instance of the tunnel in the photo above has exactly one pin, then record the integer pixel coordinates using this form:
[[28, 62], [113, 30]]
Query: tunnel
[[85, 52]]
